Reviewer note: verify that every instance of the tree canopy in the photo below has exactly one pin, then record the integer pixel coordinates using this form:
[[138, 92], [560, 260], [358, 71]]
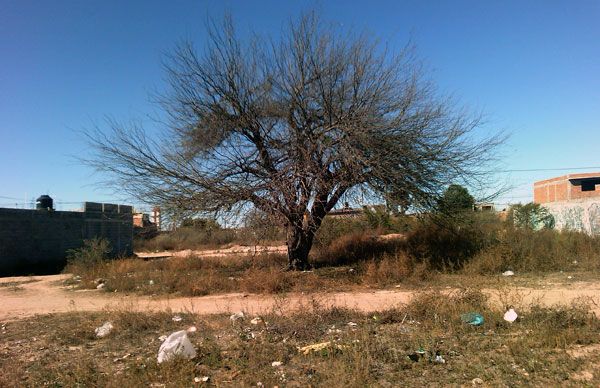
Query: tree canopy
[[290, 126]]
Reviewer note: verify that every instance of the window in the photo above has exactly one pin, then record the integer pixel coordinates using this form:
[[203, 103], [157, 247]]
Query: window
[[588, 185]]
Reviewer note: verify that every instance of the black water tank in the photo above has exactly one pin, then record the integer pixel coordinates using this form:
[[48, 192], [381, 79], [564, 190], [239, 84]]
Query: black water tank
[[44, 202]]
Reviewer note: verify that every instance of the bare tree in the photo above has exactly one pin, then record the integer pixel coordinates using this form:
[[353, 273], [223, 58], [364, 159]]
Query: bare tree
[[292, 126]]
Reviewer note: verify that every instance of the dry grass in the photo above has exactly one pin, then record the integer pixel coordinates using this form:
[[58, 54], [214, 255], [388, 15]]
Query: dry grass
[[546, 346]]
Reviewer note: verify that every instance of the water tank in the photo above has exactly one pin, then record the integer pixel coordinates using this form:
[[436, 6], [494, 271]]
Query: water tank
[[44, 202]]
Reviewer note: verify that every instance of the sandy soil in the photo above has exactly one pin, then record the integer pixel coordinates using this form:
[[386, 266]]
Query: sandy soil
[[22, 297], [222, 252]]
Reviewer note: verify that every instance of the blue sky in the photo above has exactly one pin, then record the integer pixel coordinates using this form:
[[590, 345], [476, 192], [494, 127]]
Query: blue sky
[[533, 67]]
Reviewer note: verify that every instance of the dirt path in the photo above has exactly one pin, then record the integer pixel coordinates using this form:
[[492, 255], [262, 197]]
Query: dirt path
[[22, 297]]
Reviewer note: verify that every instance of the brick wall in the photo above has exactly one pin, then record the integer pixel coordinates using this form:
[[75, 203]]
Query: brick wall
[[37, 241]]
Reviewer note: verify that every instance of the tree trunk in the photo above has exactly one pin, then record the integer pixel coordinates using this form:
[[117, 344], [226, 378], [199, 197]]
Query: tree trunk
[[299, 242]]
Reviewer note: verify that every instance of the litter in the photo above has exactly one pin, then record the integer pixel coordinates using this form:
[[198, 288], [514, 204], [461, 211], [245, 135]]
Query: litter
[[235, 316], [477, 381], [439, 359], [104, 330], [352, 324], [256, 321], [276, 363], [510, 315], [201, 379], [151, 282], [473, 319], [191, 329], [318, 347], [177, 344], [508, 273], [417, 355], [100, 286], [177, 318], [162, 338]]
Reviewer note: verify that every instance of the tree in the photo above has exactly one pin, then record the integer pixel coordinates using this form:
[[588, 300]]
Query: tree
[[290, 127], [531, 216], [456, 199]]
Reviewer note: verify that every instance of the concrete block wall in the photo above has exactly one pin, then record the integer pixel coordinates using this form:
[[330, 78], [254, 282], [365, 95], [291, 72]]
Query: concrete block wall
[[37, 241], [580, 215]]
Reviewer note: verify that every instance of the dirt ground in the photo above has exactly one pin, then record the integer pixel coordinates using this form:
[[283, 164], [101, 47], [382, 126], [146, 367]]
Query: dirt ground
[[24, 297]]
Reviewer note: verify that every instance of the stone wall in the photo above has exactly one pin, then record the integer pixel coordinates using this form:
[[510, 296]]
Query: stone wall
[[37, 241]]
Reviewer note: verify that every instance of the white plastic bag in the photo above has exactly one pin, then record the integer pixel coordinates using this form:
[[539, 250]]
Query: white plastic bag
[[510, 315], [104, 330], [177, 344]]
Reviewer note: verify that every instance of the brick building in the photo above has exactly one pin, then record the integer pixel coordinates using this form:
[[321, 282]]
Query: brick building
[[573, 200]]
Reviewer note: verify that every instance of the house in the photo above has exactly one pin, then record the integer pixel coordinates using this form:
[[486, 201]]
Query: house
[[573, 200]]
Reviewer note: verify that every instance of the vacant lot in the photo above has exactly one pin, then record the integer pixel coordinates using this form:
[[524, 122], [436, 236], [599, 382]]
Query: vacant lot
[[390, 347]]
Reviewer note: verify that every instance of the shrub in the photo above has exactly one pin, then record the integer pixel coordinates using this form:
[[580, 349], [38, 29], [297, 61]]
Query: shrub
[[93, 252], [448, 243], [353, 248], [531, 216]]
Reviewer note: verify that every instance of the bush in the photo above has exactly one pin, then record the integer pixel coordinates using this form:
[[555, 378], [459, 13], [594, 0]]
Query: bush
[[449, 243], [545, 250], [92, 253], [531, 216], [353, 248]]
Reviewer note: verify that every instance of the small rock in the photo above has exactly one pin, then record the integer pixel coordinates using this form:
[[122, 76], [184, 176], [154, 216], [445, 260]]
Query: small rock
[[508, 273], [177, 318], [192, 329], [276, 363], [104, 330], [255, 321], [477, 381], [569, 277], [352, 324]]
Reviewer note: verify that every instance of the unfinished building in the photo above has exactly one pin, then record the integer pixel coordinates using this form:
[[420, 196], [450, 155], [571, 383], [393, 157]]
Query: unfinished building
[[573, 200], [38, 241]]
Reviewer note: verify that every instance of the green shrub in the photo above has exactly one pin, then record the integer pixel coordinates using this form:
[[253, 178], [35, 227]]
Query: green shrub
[[93, 252]]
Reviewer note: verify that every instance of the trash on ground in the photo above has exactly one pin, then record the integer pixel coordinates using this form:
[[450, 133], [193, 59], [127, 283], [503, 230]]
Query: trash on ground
[[192, 329], [162, 338], [439, 359], [477, 381], [235, 316], [508, 273], [177, 318], [352, 324], [177, 344], [256, 321], [100, 286], [510, 315], [276, 363], [104, 330], [318, 347], [203, 379], [473, 319], [151, 282]]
